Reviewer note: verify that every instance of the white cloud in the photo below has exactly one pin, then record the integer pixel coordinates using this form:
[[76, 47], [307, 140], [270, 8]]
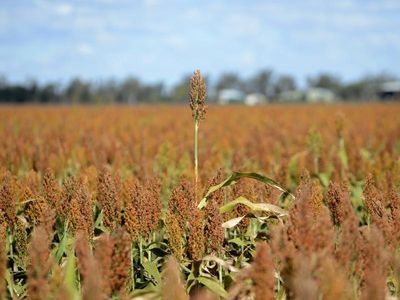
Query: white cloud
[[248, 58], [175, 41], [63, 9], [151, 3], [244, 24], [84, 49]]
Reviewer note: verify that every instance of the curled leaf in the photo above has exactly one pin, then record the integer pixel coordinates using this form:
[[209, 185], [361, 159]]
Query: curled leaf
[[234, 178], [254, 207]]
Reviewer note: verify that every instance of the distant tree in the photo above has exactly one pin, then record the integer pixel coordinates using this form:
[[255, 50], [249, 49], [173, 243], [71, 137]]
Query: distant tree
[[78, 92], [229, 81], [180, 91], [3, 81], [48, 94], [284, 83], [261, 82], [105, 92], [327, 81], [151, 93], [129, 91]]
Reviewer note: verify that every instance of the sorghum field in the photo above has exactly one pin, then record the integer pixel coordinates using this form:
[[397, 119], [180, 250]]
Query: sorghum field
[[104, 203]]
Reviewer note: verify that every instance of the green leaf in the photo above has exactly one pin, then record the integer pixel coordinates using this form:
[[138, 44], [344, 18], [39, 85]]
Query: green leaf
[[324, 178], [213, 286], [149, 290], [237, 241], [10, 283], [365, 154], [70, 279], [235, 178], [151, 268], [61, 246], [342, 154], [99, 219], [254, 207]]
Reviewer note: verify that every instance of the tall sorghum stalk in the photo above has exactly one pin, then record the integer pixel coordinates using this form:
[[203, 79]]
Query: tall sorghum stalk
[[197, 95]]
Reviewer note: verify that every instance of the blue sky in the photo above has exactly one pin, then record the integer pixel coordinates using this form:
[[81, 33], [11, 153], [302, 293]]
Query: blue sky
[[162, 40]]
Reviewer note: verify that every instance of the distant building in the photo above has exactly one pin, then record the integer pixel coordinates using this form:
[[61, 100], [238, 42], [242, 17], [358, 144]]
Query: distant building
[[232, 96], [291, 96], [390, 91], [255, 98], [313, 95]]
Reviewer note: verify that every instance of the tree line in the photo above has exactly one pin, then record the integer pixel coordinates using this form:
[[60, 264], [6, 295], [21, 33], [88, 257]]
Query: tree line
[[132, 90]]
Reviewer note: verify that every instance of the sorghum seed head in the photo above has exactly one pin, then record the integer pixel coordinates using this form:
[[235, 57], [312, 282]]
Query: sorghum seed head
[[51, 190], [152, 203], [131, 196], [175, 233], [121, 259], [39, 264], [103, 254], [3, 262], [7, 201], [213, 227], [197, 95], [179, 203], [262, 273], [88, 269], [196, 245], [108, 199], [172, 285]]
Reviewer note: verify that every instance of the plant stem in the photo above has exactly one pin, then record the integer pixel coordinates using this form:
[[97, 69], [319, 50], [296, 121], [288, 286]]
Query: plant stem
[[316, 164], [220, 275], [141, 250], [10, 240], [132, 270]]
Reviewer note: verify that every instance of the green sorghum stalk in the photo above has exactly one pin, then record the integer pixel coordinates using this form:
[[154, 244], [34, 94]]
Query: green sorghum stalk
[[197, 95]]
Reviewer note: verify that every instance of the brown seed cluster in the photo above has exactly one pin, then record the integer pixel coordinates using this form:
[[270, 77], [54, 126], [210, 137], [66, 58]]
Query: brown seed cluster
[[375, 206], [113, 255], [3, 261], [372, 265], [197, 239], [180, 201], [338, 201], [78, 206], [314, 257], [178, 216], [262, 273], [142, 207], [89, 270], [131, 194], [39, 264], [197, 95], [309, 225], [52, 191], [175, 234], [121, 260], [173, 287], [151, 205], [107, 197], [103, 254], [213, 228], [7, 202]]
